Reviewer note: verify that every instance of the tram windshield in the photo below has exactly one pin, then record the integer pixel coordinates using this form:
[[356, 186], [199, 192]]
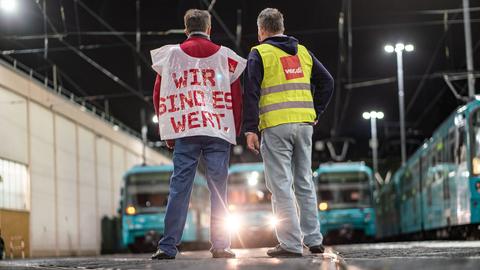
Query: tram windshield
[[147, 192], [340, 190], [247, 189]]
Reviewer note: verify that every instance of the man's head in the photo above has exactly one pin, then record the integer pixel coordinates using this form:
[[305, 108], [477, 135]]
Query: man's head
[[197, 20], [270, 23]]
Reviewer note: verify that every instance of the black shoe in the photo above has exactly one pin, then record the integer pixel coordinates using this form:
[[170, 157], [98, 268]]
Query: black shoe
[[222, 253], [278, 251], [317, 249], [160, 255]]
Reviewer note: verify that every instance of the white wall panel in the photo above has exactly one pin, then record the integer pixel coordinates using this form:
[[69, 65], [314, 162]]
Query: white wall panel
[[104, 178], [13, 127], [66, 154], [90, 224], [133, 159], [42, 178], [119, 168]]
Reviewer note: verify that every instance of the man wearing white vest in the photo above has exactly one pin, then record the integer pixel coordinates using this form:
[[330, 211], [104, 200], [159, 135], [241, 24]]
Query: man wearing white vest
[[198, 101], [286, 90]]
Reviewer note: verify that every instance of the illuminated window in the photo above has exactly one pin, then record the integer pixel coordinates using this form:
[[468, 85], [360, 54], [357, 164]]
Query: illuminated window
[[13, 185]]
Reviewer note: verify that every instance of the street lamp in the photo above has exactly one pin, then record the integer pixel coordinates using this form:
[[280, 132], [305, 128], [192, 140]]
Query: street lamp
[[8, 6], [398, 49], [155, 119], [373, 116]]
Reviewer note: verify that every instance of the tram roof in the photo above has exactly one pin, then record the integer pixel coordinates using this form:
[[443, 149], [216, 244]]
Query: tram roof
[[246, 167], [149, 169], [344, 167]]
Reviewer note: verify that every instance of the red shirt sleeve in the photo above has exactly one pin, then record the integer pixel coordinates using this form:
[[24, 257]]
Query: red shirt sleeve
[[237, 104], [156, 93]]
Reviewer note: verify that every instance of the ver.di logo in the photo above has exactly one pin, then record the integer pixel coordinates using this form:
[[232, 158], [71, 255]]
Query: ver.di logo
[[291, 67]]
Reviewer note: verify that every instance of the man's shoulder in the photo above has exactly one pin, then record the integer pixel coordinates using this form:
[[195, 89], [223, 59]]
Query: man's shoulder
[[164, 49]]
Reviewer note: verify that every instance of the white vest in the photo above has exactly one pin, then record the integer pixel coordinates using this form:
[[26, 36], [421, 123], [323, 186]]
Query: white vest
[[195, 94]]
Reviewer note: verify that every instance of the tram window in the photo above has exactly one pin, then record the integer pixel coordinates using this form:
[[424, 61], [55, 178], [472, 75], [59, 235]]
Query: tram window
[[241, 195], [344, 189], [147, 191], [460, 148], [248, 188], [450, 147], [475, 139], [325, 195]]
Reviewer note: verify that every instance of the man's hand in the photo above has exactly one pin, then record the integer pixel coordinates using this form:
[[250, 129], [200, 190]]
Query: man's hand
[[253, 143], [170, 144]]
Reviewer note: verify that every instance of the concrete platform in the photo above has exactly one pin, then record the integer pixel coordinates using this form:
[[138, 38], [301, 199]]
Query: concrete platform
[[409, 255]]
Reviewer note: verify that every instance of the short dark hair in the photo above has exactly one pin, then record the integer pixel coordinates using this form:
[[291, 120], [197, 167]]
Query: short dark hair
[[271, 20], [197, 20]]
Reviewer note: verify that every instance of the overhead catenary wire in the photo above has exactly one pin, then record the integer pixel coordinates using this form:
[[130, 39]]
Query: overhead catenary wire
[[113, 30], [91, 61], [428, 69]]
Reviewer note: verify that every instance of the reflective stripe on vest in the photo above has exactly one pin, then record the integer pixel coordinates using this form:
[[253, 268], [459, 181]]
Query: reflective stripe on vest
[[286, 105], [286, 95]]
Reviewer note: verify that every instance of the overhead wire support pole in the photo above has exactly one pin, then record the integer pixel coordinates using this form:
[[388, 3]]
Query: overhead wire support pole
[[45, 29], [340, 64], [239, 29], [468, 47], [77, 21], [138, 47]]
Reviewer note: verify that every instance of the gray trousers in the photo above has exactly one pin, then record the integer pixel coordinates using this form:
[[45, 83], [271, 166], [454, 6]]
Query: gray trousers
[[287, 155]]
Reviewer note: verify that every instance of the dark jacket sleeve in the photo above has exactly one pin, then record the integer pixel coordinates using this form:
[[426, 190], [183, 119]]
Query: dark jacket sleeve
[[253, 77], [322, 86]]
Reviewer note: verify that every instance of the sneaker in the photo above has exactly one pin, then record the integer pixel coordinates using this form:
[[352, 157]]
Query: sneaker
[[160, 255], [317, 249], [222, 253], [278, 251]]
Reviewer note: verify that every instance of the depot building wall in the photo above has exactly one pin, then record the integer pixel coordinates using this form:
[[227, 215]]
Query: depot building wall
[[60, 169]]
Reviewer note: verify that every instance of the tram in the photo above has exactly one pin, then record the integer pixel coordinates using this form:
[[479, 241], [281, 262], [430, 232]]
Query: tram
[[143, 203], [344, 193], [251, 222], [436, 194]]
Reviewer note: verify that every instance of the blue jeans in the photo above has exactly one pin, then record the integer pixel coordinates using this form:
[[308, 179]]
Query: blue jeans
[[216, 154]]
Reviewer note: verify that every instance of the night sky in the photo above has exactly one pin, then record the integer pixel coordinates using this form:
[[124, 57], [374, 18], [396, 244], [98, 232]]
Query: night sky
[[374, 23]]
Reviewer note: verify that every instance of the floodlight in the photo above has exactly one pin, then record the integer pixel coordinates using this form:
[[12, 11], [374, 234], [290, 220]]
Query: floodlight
[[9, 5], [409, 48], [389, 48], [366, 115]]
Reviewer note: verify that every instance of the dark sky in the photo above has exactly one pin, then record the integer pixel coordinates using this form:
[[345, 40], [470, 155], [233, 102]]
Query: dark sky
[[314, 23]]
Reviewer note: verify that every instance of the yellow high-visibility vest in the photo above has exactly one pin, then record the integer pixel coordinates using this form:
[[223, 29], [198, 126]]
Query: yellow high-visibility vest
[[286, 95]]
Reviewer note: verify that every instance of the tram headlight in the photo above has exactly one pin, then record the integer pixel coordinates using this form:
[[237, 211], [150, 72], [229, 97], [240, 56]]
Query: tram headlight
[[476, 166], [273, 221], [232, 223], [323, 206], [130, 210]]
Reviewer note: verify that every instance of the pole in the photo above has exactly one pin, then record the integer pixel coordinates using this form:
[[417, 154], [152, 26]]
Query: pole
[[238, 31], [401, 104], [374, 145], [468, 48], [144, 136], [45, 30]]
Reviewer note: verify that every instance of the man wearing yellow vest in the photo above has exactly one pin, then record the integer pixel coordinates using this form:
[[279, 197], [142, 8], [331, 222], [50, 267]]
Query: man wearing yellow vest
[[286, 89]]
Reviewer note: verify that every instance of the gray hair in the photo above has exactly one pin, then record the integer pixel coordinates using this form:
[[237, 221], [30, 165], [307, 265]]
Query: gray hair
[[197, 20], [271, 20]]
